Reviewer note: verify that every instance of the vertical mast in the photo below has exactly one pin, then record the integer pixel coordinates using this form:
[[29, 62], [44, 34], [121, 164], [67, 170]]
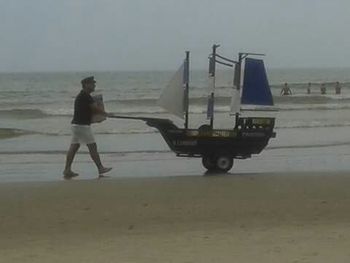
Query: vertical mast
[[186, 78], [237, 78], [212, 61]]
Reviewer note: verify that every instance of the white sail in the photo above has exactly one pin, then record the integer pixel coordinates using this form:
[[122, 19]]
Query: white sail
[[172, 98], [235, 101], [236, 91]]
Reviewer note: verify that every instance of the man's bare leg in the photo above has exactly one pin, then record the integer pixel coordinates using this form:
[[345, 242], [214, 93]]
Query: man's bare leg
[[96, 158], [68, 173]]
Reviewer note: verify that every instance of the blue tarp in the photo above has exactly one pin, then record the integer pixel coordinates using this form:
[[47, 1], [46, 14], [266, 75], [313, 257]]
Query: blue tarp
[[256, 89]]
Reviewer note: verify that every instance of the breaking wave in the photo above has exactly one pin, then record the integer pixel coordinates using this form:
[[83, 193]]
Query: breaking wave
[[23, 113], [6, 133]]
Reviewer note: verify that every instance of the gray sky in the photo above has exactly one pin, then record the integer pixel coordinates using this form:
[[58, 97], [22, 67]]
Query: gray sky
[[50, 35]]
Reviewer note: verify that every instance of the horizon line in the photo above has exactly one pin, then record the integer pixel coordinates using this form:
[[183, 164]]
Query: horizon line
[[154, 70]]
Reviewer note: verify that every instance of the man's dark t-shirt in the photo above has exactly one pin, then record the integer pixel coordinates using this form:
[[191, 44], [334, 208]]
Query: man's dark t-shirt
[[82, 110]]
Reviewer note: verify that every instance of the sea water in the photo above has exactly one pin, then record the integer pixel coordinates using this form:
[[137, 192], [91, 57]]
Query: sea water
[[313, 130]]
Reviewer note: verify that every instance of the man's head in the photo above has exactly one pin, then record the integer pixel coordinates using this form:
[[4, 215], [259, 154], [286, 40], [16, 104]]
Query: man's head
[[88, 84]]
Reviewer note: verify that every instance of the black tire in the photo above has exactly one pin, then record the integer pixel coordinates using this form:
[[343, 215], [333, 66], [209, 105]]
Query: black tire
[[223, 163], [204, 130], [209, 162]]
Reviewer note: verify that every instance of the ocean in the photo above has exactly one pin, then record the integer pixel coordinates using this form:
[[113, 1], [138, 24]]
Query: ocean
[[313, 130]]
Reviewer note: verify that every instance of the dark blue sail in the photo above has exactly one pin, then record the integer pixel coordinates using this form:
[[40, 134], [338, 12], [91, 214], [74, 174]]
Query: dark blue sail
[[256, 89]]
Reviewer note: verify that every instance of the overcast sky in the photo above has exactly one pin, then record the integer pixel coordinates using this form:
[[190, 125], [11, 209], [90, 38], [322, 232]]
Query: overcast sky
[[65, 35]]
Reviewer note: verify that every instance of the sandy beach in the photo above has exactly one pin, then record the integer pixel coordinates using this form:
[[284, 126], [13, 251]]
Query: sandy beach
[[297, 217]]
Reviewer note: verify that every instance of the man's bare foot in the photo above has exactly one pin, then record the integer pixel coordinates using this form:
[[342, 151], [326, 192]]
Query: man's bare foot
[[103, 170], [69, 175]]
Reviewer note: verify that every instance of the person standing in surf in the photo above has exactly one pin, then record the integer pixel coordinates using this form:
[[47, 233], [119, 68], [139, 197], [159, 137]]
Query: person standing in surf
[[84, 108], [337, 88], [308, 89], [285, 91]]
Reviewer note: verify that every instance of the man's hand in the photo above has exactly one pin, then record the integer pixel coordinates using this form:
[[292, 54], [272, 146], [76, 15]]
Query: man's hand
[[97, 109]]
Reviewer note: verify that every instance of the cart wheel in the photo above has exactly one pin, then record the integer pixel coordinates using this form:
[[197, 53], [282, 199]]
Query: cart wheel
[[204, 128], [209, 162], [224, 163]]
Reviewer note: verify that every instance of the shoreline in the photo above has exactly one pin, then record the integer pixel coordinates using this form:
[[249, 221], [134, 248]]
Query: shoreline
[[23, 167], [289, 217]]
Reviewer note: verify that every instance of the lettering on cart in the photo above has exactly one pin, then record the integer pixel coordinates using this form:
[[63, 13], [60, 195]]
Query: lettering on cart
[[185, 143], [253, 134]]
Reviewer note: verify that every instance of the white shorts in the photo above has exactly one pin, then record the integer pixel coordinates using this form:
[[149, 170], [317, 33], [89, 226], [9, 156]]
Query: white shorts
[[82, 134]]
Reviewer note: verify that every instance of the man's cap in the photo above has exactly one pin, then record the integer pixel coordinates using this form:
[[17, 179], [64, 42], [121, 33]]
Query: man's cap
[[88, 80]]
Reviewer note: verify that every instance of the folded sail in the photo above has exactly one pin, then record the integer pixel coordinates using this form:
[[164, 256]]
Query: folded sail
[[172, 98], [235, 105], [256, 90]]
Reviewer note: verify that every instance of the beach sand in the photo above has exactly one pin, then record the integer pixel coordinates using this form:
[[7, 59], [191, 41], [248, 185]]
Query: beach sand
[[282, 217]]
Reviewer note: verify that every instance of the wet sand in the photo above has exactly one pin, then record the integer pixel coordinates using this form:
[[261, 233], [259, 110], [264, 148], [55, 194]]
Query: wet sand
[[299, 217]]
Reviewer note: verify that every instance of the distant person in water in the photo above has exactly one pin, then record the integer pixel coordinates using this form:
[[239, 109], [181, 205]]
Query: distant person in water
[[323, 88], [286, 90], [337, 88], [84, 108], [308, 89]]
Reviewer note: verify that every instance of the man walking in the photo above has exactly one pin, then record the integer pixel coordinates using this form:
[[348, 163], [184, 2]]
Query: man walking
[[84, 108]]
